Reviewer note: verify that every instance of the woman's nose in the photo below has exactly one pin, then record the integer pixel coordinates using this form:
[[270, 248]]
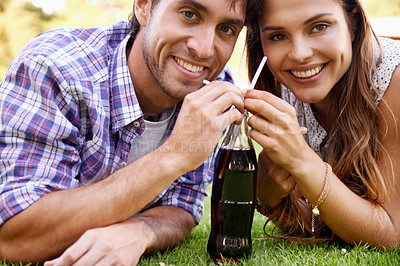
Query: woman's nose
[[300, 50]]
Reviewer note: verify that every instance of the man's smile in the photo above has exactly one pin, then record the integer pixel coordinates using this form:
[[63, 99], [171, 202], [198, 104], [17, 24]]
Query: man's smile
[[188, 66]]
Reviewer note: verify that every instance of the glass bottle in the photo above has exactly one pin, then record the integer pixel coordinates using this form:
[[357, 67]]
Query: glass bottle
[[233, 196]]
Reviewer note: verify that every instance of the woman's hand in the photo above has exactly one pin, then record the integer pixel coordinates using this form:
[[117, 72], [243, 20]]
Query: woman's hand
[[275, 127], [273, 182]]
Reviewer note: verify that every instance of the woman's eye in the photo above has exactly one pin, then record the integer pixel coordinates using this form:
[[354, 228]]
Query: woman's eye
[[319, 28], [277, 37], [227, 30], [189, 14]]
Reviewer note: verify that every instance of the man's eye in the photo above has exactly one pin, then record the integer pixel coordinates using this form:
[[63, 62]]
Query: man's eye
[[227, 30], [189, 14]]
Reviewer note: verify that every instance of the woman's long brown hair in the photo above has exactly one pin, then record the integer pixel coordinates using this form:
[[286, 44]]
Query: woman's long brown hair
[[354, 147]]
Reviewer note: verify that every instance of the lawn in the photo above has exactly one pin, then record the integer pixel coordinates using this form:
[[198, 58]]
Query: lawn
[[267, 251]]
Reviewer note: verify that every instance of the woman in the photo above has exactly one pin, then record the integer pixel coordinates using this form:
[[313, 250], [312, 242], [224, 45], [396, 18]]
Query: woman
[[329, 73]]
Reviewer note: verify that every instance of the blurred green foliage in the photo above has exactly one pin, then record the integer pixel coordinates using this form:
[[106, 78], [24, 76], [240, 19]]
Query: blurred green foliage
[[382, 8], [20, 21]]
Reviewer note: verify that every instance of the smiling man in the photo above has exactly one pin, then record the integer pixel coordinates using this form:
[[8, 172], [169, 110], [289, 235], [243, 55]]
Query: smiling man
[[107, 134]]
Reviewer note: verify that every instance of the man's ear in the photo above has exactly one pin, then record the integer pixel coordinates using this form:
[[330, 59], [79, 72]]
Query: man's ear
[[142, 11]]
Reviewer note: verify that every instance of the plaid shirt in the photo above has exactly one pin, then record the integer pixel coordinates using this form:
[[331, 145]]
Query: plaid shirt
[[68, 115]]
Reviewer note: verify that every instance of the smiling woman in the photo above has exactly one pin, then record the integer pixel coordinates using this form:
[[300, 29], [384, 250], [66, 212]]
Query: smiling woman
[[327, 71]]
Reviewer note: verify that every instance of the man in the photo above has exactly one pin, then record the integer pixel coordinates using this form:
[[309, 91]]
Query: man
[[76, 184]]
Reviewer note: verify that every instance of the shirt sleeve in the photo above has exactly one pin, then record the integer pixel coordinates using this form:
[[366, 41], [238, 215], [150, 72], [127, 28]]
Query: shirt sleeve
[[226, 75], [189, 191], [37, 149]]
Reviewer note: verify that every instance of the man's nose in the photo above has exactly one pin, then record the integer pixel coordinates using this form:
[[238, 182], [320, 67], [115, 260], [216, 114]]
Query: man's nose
[[202, 43]]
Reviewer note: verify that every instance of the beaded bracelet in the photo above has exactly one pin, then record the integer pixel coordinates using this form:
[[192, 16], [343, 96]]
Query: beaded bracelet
[[262, 209], [322, 197]]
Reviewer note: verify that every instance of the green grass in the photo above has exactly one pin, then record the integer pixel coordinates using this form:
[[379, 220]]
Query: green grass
[[267, 251]]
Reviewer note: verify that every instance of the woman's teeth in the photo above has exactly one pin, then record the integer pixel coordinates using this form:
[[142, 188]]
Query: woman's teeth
[[188, 66], [308, 73]]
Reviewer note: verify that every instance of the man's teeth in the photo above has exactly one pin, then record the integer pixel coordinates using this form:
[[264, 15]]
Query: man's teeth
[[188, 66], [308, 73]]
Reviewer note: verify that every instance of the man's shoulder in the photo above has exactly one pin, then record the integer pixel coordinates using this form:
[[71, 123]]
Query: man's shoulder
[[73, 51], [75, 40], [226, 74]]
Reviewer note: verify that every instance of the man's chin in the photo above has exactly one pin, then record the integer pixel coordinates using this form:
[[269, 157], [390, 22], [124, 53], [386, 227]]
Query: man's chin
[[179, 91]]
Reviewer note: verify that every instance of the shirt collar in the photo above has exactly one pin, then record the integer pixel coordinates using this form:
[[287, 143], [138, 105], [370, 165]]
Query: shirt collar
[[125, 107]]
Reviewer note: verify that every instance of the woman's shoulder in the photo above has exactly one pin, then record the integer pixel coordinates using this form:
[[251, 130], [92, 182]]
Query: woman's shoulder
[[390, 53], [386, 66], [392, 93], [389, 43], [394, 84]]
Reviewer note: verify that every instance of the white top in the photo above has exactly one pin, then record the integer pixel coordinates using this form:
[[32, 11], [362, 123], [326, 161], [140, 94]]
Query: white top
[[151, 137], [316, 133]]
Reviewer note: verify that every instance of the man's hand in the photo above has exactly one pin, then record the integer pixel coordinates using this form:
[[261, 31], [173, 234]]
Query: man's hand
[[204, 115], [117, 244], [124, 243]]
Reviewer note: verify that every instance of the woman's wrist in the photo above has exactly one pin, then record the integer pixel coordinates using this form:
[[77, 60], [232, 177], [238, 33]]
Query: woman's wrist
[[262, 209], [266, 209], [304, 167]]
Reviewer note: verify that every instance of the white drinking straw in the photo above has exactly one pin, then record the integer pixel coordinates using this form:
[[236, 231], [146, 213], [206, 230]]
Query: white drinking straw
[[256, 75], [253, 83], [258, 72]]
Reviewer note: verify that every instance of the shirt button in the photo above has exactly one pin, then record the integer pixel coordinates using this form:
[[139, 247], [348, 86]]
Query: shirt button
[[136, 124], [123, 164]]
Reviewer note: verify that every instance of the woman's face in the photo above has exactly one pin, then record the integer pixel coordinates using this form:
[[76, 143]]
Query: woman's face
[[308, 45]]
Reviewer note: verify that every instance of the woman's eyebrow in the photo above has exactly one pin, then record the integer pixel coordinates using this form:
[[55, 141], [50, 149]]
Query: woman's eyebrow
[[275, 28], [317, 17]]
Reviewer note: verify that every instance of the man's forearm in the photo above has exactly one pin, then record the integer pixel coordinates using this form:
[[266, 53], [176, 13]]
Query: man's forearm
[[57, 220], [170, 225], [124, 243]]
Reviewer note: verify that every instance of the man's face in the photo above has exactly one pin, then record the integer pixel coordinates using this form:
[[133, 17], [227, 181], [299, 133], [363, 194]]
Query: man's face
[[187, 41]]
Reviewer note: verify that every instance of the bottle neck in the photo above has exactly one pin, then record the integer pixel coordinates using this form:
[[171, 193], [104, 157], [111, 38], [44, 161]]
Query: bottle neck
[[237, 137]]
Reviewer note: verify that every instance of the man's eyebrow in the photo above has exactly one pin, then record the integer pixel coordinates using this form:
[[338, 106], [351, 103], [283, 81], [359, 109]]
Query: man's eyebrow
[[274, 28], [237, 22], [201, 7], [195, 4]]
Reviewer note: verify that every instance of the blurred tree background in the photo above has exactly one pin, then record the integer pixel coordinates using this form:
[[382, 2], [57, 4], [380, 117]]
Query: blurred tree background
[[21, 20]]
